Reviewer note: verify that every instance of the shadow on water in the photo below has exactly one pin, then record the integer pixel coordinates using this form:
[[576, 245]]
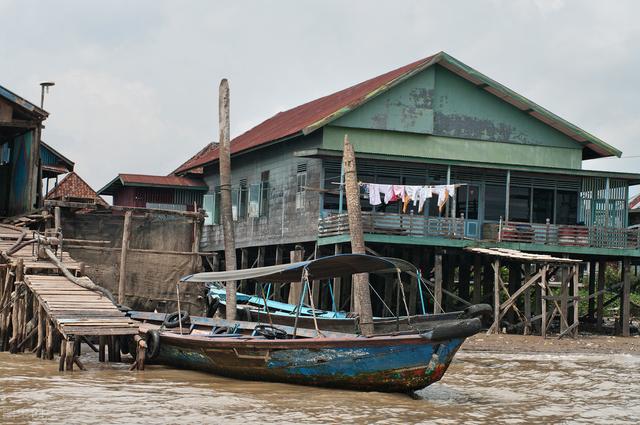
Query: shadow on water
[[478, 388]]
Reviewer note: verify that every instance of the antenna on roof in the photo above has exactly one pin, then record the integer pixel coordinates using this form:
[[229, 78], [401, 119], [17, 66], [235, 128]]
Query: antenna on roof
[[45, 89]]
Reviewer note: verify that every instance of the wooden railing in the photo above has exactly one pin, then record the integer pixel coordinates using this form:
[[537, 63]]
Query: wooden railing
[[453, 228], [567, 235], [394, 224]]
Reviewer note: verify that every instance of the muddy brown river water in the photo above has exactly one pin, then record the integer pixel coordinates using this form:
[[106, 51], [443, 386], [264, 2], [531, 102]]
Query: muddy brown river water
[[478, 388]]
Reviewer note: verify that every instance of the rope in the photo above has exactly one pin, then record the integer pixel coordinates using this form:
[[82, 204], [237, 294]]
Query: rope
[[380, 298], [419, 276]]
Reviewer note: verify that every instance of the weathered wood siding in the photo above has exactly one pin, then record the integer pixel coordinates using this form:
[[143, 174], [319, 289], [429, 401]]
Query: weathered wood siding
[[284, 224]]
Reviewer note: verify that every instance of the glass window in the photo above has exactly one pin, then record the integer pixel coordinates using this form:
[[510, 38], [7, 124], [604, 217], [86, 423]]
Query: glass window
[[208, 206], [495, 197], [244, 199], [542, 205], [235, 196], [254, 200], [567, 209], [520, 204], [264, 194], [301, 188], [467, 201]]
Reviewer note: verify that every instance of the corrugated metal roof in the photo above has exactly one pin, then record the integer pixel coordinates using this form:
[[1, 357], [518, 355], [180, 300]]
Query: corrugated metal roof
[[133, 179], [313, 115], [14, 98], [170, 181], [296, 120]]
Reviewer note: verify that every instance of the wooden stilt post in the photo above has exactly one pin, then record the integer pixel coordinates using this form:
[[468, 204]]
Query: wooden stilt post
[[527, 300], [496, 296], [49, 343], [295, 288], [354, 213], [543, 300], [259, 263], [576, 294], [564, 299], [592, 289], [437, 294], [225, 196], [602, 266], [69, 354], [464, 277], [477, 279], [449, 271], [337, 281], [101, 348], [63, 355], [41, 332], [625, 301], [277, 288], [16, 314], [244, 264], [126, 231]]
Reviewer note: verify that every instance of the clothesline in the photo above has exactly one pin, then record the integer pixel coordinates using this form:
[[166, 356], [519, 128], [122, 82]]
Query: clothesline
[[410, 193]]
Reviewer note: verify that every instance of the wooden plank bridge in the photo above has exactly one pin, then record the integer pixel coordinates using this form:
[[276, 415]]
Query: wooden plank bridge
[[45, 312]]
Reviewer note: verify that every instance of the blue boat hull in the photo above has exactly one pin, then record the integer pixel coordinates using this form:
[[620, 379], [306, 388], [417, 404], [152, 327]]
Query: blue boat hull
[[389, 364]]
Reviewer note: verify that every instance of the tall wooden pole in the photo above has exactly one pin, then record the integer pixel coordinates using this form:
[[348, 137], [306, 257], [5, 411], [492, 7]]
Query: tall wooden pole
[[225, 196], [625, 305], [126, 232], [360, 281]]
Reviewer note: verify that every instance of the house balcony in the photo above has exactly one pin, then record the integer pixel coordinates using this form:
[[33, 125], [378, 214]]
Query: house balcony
[[449, 231]]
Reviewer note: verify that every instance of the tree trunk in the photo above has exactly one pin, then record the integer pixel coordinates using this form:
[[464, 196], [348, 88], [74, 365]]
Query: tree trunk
[[360, 281], [225, 196]]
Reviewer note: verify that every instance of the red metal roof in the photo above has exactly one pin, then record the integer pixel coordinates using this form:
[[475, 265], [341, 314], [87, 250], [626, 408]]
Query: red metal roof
[[295, 120], [306, 118]]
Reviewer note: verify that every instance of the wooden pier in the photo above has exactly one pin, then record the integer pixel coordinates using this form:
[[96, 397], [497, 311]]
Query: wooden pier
[[44, 311]]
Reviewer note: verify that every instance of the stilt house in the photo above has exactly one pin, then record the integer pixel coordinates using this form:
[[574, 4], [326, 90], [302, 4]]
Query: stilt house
[[517, 170]]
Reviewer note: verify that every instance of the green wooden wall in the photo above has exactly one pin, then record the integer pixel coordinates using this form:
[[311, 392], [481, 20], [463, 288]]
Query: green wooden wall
[[437, 114]]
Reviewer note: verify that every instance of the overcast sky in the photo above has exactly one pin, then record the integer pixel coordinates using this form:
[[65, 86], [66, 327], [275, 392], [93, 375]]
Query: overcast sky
[[136, 81]]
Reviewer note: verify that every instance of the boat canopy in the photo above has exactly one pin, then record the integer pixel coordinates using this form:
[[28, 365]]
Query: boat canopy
[[322, 268]]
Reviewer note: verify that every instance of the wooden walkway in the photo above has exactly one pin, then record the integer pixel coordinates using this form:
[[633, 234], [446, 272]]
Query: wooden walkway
[[41, 310], [76, 310]]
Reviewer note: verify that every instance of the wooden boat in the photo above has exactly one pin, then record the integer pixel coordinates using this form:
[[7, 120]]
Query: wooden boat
[[402, 361]]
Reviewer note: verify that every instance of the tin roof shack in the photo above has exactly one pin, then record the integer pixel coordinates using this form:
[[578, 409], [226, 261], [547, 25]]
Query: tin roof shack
[[72, 188], [54, 164], [156, 192], [20, 167], [517, 168]]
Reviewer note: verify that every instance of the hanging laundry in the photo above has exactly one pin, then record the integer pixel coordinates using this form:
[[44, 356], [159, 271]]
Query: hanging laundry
[[394, 193], [423, 194], [387, 191], [444, 192], [410, 194], [374, 193]]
